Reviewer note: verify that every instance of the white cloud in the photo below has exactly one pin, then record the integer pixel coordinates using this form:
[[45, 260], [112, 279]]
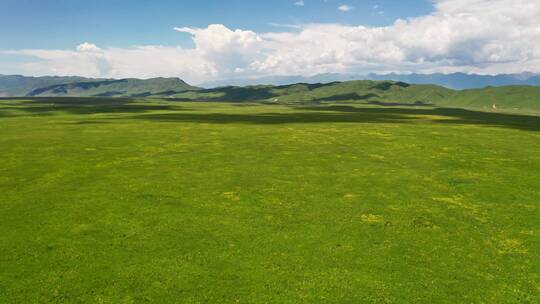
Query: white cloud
[[87, 60], [160, 61], [345, 8], [226, 50], [88, 47], [481, 36], [300, 3], [218, 39]]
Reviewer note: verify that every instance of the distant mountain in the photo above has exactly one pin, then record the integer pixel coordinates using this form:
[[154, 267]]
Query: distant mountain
[[458, 81], [115, 88], [17, 85]]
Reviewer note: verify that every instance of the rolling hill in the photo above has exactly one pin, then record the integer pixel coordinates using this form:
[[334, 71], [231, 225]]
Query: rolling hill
[[457, 81], [115, 88], [507, 98], [386, 92], [17, 85], [377, 92]]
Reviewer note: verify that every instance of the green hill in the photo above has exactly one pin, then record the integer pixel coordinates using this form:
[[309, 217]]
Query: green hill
[[357, 91], [360, 90], [17, 85], [377, 92], [115, 88], [509, 98]]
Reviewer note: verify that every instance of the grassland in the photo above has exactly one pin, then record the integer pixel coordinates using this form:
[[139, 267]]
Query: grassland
[[126, 201]]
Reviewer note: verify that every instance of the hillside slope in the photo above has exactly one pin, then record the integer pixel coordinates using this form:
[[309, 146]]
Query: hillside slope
[[359, 90], [509, 98], [458, 81], [378, 92], [115, 88], [17, 85]]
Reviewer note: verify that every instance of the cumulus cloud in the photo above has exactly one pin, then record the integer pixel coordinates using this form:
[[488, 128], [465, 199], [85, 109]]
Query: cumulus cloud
[[228, 51], [88, 47], [481, 36], [87, 60]]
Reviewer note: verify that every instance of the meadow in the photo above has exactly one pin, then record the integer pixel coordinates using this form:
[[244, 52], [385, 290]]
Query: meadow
[[133, 201]]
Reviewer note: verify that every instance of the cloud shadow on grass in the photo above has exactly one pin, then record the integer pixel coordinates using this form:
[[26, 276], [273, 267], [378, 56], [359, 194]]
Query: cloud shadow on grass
[[81, 106], [351, 114], [389, 113], [449, 115]]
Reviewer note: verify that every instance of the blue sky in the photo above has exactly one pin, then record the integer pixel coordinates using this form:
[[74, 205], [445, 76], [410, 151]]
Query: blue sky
[[202, 41], [53, 24]]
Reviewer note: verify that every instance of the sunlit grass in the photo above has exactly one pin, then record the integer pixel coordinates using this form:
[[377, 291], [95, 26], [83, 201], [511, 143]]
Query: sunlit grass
[[113, 201]]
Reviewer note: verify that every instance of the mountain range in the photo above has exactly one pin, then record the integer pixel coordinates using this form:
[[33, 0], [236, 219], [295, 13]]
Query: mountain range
[[382, 92], [17, 85], [456, 81]]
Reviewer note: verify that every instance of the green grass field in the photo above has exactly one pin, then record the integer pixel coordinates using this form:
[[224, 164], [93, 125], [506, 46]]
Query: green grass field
[[123, 201]]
